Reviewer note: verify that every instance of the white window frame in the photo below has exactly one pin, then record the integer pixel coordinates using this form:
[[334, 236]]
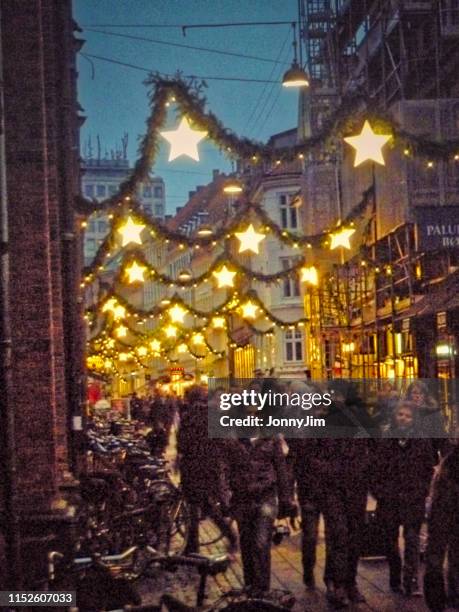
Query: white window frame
[[288, 213], [294, 339]]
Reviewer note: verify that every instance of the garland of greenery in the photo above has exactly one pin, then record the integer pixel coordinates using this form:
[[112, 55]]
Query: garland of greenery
[[190, 101], [157, 229]]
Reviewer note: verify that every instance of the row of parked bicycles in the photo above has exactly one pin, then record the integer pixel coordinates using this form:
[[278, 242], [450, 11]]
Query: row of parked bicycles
[[133, 523]]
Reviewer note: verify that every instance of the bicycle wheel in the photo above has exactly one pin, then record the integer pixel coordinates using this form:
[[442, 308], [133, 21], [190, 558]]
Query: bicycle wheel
[[169, 518]]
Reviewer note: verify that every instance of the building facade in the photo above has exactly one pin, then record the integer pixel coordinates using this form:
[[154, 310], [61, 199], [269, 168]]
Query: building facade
[[382, 311], [42, 371], [101, 179]]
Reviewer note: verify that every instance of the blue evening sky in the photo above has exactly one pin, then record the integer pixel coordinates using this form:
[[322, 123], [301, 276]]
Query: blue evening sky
[[114, 97]]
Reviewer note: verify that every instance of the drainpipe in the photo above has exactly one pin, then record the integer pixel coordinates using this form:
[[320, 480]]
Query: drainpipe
[[8, 469]]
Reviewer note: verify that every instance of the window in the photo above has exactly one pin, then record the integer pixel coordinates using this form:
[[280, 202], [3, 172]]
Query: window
[[293, 345], [100, 191], [159, 210], [291, 285], [147, 209], [89, 191], [158, 191], [112, 189], [91, 226], [147, 191], [102, 226], [288, 212], [91, 245]]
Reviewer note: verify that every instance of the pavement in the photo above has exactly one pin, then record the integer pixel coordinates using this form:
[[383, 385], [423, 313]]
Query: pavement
[[373, 581]]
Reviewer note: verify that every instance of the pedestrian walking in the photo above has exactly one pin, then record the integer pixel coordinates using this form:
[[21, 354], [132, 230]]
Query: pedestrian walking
[[443, 538], [200, 468], [257, 490], [341, 466], [308, 487], [404, 466]]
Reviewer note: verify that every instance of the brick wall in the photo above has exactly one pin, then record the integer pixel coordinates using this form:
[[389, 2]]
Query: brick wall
[[42, 176]]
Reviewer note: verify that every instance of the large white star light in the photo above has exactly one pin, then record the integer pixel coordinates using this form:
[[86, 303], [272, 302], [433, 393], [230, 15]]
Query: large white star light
[[184, 140]]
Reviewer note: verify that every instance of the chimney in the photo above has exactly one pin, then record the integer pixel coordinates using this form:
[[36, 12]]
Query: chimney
[[191, 194], [178, 209], [215, 174]]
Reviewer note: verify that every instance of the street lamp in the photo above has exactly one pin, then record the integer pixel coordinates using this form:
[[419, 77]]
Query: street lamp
[[232, 186], [185, 275], [295, 76]]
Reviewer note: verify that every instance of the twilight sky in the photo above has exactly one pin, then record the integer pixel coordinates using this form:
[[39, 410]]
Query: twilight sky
[[114, 97]]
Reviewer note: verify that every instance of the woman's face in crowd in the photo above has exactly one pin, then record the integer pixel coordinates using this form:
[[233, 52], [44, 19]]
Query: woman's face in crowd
[[404, 418], [417, 396]]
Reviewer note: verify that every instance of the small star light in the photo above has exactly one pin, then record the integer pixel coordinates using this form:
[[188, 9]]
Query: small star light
[[177, 313], [182, 348], [184, 140], [368, 145], [249, 310], [121, 331], [250, 239], [135, 272], [142, 351], [110, 305], [225, 277], [170, 331], [119, 312], [198, 339], [309, 275], [130, 232], [218, 322], [155, 346], [123, 356], [341, 237]]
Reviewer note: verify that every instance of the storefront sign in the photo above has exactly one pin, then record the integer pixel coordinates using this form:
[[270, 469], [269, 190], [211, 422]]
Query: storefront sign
[[438, 227]]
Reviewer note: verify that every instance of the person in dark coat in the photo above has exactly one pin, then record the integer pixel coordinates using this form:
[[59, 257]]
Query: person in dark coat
[[404, 465], [444, 537], [257, 490], [308, 487], [136, 407], [340, 465], [429, 415], [199, 465]]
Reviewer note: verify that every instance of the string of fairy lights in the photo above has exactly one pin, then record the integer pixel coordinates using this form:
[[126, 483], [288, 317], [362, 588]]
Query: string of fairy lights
[[179, 327]]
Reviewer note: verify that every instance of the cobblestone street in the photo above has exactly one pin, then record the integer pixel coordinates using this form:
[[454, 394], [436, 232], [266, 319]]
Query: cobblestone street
[[286, 574]]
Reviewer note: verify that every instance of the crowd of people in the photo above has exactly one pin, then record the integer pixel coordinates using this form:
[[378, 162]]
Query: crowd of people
[[255, 480]]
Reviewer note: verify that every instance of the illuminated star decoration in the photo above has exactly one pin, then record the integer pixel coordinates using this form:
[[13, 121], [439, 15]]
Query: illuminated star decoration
[[184, 140], [130, 232], [368, 145], [135, 272], [224, 277], [177, 313], [309, 275], [121, 331], [341, 237], [249, 310], [250, 239], [170, 331], [198, 338], [109, 305], [119, 312], [182, 348], [142, 351], [155, 346], [218, 322]]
